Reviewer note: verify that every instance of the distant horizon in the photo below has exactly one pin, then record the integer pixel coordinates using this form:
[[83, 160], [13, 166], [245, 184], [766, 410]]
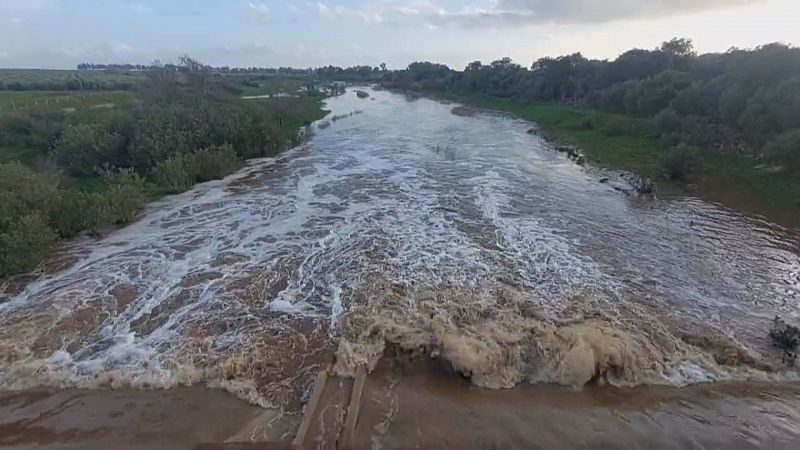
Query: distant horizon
[[57, 35], [215, 66]]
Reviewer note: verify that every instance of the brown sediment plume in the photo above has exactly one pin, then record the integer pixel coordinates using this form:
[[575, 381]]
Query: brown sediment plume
[[493, 338]]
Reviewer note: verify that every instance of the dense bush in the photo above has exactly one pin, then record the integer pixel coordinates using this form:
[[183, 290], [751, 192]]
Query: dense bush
[[186, 127], [733, 101], [587, 124], [178, 173], [27, 191], [785, 150], [38, 127], [36, 209], [174, 174], [72, 214], [83, 148], [24, 241], [617, 126], [124, 196], [214, 163], [679, 163], [667, 121], [786, 338]]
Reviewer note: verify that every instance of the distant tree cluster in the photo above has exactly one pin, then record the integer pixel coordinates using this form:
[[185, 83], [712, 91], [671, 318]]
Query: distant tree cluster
[[742, 100], [355, 73], [351, 74], [182, 68]]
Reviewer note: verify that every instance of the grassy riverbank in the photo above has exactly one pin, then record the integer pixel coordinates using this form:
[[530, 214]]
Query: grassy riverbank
[[623, 142], [85, 161]]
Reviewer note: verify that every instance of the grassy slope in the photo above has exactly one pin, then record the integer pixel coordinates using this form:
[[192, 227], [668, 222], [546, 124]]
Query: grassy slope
[[274, 86], [731, 179]]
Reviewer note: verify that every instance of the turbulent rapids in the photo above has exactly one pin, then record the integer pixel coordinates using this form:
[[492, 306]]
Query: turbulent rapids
[[459, 237]]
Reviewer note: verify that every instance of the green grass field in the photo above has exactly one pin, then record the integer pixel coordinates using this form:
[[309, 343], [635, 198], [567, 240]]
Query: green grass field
[[15, 100], [731, 179], [68, 80], [26, 155], [274, 86], [11, 101]]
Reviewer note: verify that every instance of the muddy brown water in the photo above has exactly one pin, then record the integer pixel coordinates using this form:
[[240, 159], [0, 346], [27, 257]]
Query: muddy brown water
[[463, 238], [421, 409]]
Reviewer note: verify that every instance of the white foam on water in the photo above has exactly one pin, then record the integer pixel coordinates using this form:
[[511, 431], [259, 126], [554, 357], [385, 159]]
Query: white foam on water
[[209, 282]]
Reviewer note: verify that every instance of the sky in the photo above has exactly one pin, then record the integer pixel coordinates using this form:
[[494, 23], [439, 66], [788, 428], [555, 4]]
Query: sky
[[301, 33]]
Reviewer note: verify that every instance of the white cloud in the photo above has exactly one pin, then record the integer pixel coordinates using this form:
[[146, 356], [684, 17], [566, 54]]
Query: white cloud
[[510, 13], [324, 10], [260, 9], [122, 48], [27, 5], [380, 11], [141, 8]]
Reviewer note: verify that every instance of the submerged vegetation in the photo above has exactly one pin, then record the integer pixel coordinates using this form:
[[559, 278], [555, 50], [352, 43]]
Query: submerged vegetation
[[73, 162], [786, 338]]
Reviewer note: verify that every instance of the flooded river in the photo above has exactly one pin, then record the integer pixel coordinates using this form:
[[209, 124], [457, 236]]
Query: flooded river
[[464, 238]]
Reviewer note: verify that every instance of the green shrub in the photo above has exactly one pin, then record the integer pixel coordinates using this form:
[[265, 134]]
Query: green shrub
[[679, 163], [31, 191], [35, 211], [785, 150], [70, 216], [36, 127], [125, 195], [24, 242], [587, 124], [617, 126], [84, 148], [173, 175], [98, 213], [179, 172], [786, 338], [214, 163], [667, 121], [164, 130]]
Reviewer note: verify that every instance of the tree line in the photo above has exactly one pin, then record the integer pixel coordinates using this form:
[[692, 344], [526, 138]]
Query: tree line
[[745, 101], [354, 73], [103, 67]]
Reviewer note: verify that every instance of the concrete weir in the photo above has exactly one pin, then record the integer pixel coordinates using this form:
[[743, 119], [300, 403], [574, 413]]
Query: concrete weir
[[331, 414], [329, 419]]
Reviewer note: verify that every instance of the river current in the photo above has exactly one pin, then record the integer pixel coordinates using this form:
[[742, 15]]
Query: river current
[[404, 225]]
